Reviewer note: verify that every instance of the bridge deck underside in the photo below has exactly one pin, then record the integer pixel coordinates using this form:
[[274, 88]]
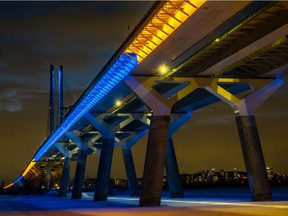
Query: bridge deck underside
[[193, 101], [234, 45]]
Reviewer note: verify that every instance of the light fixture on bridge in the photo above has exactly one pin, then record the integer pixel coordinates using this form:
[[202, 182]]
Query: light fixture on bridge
[[163, 69], [118, 103]]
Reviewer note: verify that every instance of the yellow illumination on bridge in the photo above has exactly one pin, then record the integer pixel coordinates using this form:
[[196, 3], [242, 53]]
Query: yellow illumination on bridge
[[8, 186], [171, 15], [31, 164], [228, 80]]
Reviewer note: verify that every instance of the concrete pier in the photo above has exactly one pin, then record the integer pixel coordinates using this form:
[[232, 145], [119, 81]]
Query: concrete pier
[[173, 177], [253, 158], [48, 175], [103, 177], [155, 160], [130, 171], [79, 174], [65, 177]]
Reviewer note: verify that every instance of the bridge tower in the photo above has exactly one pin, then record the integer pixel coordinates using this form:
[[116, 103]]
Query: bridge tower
[[56, 86], [52, 99], [60, 94], [56, 89]]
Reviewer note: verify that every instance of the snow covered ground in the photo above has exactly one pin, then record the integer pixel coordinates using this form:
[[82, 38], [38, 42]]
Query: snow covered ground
[[206, 202]]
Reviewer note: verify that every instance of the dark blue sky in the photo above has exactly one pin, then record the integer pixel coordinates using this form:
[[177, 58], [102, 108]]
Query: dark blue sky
[[82, 36]]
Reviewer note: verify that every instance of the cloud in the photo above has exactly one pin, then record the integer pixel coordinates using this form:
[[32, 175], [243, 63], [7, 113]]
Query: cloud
[[11, 105], [14, 95], [80, 36], [214, 119]]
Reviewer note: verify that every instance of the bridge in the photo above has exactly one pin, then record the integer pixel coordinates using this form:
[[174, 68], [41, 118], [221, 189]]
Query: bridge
[[182, 56]]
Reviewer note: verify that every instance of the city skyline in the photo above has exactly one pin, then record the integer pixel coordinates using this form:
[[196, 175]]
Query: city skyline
[[82, 37]]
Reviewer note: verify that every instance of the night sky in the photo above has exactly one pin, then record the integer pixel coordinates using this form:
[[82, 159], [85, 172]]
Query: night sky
[[82, 37]]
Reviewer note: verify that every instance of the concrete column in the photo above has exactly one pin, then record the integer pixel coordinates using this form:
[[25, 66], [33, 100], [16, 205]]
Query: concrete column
[[173, 177], [244, 109], [81, 164], [154, 163], [159, 129], [130, 171], [79, 174], [48, 175], [65, 177], [104, 168], [254, 159], [103, 177], [129, 163], [66, 168]]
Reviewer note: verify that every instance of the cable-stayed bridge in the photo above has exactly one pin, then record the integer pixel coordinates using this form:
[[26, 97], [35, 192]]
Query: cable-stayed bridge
[[182, 56]]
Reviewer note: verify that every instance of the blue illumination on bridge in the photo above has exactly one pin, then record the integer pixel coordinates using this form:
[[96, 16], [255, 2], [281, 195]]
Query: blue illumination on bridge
[[122, 67], [20, 178]]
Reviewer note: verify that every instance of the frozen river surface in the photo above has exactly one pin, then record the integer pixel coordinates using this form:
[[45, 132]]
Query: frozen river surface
[[208, 202]]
